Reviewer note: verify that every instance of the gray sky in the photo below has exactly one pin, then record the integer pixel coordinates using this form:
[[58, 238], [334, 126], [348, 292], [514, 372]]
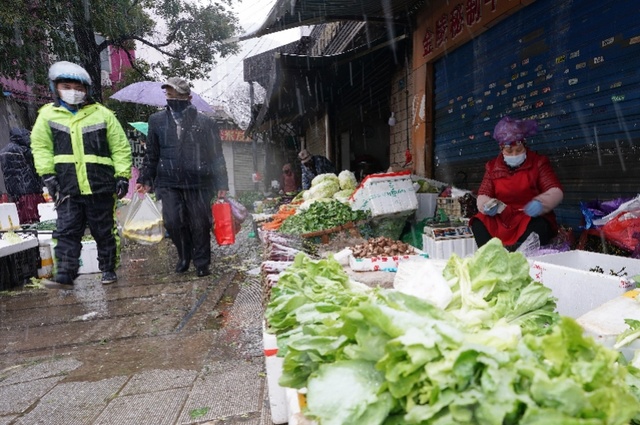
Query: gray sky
[[228, 73]]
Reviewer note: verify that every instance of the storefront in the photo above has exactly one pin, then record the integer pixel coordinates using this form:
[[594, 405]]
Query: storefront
[[572, 66]]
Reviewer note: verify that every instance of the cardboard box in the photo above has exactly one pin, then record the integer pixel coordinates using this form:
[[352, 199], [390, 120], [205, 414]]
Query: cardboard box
[[577, 287], [385, 194], [443, 248], [89, 258], [381, 263], [9, 217]]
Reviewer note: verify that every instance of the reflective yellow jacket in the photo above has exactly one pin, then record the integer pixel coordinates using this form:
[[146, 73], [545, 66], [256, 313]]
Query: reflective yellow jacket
[[87, 151]]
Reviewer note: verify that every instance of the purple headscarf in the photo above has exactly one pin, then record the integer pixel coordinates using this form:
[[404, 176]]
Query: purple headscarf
[[509, 130]]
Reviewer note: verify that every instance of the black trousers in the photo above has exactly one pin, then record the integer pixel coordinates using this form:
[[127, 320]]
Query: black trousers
[[187, 217], [538, 225], [74, 214]]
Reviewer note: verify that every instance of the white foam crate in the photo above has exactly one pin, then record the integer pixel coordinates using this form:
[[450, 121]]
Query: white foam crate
[[427, 203], [578, 289], [9, 217], [606, 322], [47, 211], [381, 262], [89, 258], [10, 248], [277, 395], [442, 249], [385, 194]]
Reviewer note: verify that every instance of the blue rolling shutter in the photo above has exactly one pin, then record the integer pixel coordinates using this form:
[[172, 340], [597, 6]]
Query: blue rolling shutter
[[572, 65]]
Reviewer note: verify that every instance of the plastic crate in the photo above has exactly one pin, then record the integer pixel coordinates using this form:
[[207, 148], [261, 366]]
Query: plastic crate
[[450, 206], [18, 268]]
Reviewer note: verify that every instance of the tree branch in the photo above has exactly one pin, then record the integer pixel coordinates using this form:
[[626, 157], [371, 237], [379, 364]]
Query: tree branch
[[158, 47]]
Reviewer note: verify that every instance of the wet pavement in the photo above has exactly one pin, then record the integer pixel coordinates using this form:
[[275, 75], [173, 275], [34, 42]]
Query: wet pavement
[[154, 348]]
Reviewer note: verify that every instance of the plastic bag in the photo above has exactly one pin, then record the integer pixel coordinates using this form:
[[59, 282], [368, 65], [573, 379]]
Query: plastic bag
[[624, 230], [238, 210], [143, 223], [223, 223]]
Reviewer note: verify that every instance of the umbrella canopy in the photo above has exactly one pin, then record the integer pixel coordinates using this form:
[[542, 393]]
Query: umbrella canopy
[[152, 93], [142, 127]]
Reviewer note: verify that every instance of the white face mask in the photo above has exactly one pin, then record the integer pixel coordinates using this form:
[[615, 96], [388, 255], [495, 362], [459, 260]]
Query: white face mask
[[72, 97], [515, 160]]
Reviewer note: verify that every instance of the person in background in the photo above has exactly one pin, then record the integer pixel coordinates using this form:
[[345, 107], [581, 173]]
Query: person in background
[[313, 165], [84, 157], [519, 190], [20, 177], [184, 163], [288, 180]]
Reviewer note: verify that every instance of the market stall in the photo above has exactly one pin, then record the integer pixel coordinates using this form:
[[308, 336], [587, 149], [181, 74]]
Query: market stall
[[363, 328]]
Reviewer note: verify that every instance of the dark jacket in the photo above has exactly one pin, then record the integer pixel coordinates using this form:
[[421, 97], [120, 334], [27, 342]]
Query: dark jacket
[[194, 161], [16, 160]]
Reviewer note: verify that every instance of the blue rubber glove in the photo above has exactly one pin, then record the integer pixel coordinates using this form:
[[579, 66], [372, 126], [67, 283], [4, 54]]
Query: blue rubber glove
[[533, 208], [491, 211]]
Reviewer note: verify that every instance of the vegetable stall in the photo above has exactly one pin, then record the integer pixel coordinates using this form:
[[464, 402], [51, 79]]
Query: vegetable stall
[[471, 336]]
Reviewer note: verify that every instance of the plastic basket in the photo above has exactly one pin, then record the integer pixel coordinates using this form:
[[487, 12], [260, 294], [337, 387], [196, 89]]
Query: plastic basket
[[18, 268], [451, 207]]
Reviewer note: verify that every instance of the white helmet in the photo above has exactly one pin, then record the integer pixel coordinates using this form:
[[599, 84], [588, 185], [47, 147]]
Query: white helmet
[[64, 70]]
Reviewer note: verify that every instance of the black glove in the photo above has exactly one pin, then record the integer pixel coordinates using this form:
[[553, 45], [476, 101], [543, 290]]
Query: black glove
[[122, 187], [52, 185]]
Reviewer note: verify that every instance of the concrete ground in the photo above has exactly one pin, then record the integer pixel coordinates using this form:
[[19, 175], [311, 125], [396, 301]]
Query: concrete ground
[[155, 348]]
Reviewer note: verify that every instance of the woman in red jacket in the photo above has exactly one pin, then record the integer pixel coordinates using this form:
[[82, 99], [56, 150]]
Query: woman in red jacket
[[519, 190]]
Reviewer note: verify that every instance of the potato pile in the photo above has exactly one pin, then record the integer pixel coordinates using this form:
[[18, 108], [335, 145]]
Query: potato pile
[[382, 246]]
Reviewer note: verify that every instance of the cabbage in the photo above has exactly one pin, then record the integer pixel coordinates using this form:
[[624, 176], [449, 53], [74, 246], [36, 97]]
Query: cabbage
[[347, 180], [306, 204], [325, 189], [324, 177], [343, 195]]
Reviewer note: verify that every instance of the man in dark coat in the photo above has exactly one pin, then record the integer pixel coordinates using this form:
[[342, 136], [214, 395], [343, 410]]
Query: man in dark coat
[[20, 178], [184, 163]]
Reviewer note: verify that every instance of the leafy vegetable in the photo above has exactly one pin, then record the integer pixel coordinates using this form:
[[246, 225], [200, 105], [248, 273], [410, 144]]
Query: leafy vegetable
[[628, 336], [327, 177], [347, 180], [321, 216], [434, 366]]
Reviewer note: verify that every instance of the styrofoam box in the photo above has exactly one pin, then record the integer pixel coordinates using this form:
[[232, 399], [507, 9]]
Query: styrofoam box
[[9, 217], [577, 289], [426, 205], [385, 194], [606, 322], [89, 258], [47, 211], [11, 248], [439, 232], [273, 364], [381, 263], [442, 249]]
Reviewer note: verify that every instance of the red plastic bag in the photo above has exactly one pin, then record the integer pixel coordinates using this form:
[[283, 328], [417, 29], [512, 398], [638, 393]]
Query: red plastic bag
[[624, 230], [223, 223]]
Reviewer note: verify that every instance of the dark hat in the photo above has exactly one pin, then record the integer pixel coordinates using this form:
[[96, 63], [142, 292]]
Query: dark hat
[[180, 85], [304, 156]]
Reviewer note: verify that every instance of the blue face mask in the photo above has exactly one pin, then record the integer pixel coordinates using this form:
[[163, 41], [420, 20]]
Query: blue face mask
[[515, 160]]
